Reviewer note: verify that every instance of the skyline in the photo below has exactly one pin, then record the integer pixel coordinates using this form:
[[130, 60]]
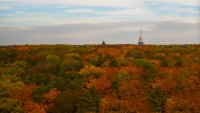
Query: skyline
[[91, 22]]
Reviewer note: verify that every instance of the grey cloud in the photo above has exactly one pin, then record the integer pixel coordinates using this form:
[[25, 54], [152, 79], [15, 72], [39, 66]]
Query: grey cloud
[[163, 32]]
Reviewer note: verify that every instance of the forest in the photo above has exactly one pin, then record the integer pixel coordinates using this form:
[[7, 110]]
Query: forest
[[100, 78]]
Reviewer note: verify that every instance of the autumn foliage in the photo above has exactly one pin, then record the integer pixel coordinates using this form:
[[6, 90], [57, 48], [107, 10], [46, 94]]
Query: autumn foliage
[[100, 79]]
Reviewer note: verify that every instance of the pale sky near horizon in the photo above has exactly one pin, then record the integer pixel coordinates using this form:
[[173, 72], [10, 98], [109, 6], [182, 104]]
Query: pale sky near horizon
[[92, 21]]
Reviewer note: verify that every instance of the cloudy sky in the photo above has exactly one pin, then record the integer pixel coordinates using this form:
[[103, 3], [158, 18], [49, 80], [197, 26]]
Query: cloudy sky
[[92, 21]]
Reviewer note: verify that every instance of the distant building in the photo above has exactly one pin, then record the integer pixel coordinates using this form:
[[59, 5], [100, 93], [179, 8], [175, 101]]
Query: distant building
[[103, 43], [140, 42]]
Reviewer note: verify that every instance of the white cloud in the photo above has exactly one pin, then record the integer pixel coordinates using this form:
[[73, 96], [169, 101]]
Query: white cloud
[[8, 14], [104, 2], [130, 11], [32, 20], [114, 12], [133, 14], [81, 2], [119, 15], [179, 2], [179, 9], [19, 12], [116, 15], [5, 7], [81, 11], [123, 10]]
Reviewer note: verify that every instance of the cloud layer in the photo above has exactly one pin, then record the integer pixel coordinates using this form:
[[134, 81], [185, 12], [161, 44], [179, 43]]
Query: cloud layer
[[167, 32]]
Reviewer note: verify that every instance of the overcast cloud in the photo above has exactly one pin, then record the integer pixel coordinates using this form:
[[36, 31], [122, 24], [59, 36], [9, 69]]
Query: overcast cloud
[[165, 32]]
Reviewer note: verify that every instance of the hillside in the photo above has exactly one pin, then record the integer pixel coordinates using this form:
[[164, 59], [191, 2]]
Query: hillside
[[100, 79]]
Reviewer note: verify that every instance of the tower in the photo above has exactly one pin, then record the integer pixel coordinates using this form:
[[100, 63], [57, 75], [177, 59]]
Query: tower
[[140, 42]]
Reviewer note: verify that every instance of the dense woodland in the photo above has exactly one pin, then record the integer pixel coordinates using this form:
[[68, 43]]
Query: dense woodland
[[100, 79]]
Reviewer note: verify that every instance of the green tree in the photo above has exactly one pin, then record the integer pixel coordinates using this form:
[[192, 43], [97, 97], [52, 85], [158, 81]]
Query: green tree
[[16, 68], [57, 82], [90, 70], [158, 100], [121, 61], [164, 62], [39, 91], [100, 61], [71, 64], [115, 84], [8, 54], [113, 62], [135, 54], [145, 64], [8, 105], [124, 75], [53, 62], [38, 78], [179, 62], [88, 102], [9, 83], [65, 102]]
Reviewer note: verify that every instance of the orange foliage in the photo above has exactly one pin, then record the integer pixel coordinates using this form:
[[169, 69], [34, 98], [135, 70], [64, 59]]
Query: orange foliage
[[25, 95], [91, 70], [160, 54], [131, 86], [1, 69], [194, 69], [88, 56], [175, 55], [36, 58], [187, 103], [168, 86], [23, 48], [113, 52], [110, 72], [102, 85], [113, 105], [132, 92], [32, 107], [131, 98], [132, 70], [156, 62], [48, 98], [188, 100], [172, 72]]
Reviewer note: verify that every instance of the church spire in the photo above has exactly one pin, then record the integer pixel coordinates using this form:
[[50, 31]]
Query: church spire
[[140, 42]]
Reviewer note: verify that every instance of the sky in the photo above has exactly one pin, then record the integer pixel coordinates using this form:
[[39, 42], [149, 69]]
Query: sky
[[92, 21]]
